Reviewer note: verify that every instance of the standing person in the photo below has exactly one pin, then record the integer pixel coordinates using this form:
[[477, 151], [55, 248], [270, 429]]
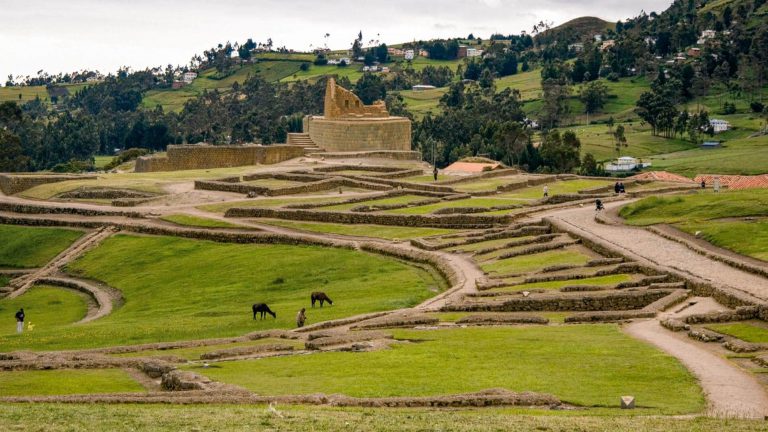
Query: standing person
[[301, 318], [703, 184], [716, 184], [546, 191], [20, 321], [616, 188], [434, 172], [621, 187]]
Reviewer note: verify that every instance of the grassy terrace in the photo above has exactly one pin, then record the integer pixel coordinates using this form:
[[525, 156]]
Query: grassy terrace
[[270, 202], [28, 247], [748, 331], [172, 418], [189, 220], [556, 285], [377, 231], [194, 353], [146, 182], [467, 202], [402, 199], [187, 289], [609, 364], [47, 308], [528, 263], [67, 381]]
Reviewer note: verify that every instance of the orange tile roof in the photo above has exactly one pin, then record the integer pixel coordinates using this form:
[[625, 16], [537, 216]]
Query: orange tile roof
[[735, 181], [471, 167], [660, 176]]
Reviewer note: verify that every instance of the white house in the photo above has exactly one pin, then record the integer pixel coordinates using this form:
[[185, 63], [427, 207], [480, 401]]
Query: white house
[[626, 163], [409, 54], [705, 36], [474, 52], [719, 125], [422, 87], [188, 77], [576, 47]]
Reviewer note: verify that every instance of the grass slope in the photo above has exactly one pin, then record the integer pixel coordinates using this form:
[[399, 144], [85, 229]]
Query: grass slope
[[189, 220], [47, 308], [66, 381], [589, 365], [377, 231], [747, 331], [28, 247], [178, 289]]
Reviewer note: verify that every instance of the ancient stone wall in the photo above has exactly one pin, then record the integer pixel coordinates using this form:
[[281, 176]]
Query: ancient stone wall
[[342, 103], [14, 183], [186, 157], [364, 134]]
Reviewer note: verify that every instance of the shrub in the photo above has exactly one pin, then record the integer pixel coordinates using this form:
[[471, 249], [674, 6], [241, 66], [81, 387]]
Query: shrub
[[305, 66], [757, 107], [125, 156], [613, 77], [73, 166], [729, 108]]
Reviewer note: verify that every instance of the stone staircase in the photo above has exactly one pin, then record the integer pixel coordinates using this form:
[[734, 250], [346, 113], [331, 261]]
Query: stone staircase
[[303, 139]]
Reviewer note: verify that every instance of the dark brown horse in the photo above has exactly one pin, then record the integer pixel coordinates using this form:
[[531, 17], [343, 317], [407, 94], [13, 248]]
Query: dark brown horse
[[321, 297], [263, 309]]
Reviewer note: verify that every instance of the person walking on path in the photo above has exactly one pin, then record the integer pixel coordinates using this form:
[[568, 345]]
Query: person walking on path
[[435, 172], [301, 318], [20, 321], [546, 191]]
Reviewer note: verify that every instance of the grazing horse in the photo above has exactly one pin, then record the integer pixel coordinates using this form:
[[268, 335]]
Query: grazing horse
[[263, 309], [321, 297]]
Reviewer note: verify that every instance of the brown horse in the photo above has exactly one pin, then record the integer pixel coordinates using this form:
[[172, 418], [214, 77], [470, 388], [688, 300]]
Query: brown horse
[[263, 309], [321, 297]]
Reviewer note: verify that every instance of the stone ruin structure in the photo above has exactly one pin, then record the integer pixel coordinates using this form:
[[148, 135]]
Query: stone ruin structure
[[348, 125]]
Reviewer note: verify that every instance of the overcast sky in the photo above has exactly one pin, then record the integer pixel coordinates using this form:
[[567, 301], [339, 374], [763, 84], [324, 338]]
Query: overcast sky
[[60, 36]]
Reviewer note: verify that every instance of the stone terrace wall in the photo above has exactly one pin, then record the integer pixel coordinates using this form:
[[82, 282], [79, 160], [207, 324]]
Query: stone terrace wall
[[186, 157], [448, 221], [14, 183], [355, 135]]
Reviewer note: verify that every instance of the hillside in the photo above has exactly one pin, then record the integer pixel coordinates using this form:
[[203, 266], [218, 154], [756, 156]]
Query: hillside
[[578, 29]]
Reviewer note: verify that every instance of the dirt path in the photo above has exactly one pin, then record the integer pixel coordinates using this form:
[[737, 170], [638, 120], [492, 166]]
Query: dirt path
[[730, 391], [646, 246]]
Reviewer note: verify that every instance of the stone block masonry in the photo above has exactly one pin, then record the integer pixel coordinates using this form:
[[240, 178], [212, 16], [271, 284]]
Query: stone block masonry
[[14, 183], [364, 134], [187, 157]]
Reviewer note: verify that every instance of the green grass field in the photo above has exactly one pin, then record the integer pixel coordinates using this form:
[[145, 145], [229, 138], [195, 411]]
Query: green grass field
[[745, 237], [605, 365], [47, 308], [29, 93], [196, 221], [66, 381], [556, 285], [28, 247], [194, 353], [377, 231], [187, 289], [172, 418], [704, 205], [747, 331], [528, 263]]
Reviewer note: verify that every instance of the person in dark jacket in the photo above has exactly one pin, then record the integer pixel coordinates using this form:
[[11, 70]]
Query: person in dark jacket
[[20, 320]]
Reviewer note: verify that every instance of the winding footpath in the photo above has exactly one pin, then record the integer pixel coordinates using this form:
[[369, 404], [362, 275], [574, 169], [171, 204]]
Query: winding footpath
[[730, 391], [645, 246]]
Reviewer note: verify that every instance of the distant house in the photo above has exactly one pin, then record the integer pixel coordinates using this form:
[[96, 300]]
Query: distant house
[[409, 54], [711, 144], [694, 52], [462, 51], [474, 52], [598, 38], [705, 36], [333, 62], [626, 163], [607, 44], [650, 40], [422, 87], [384, 69], [423, 53], [719, 125], [178, 84], [188, 77], [576, 47]]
